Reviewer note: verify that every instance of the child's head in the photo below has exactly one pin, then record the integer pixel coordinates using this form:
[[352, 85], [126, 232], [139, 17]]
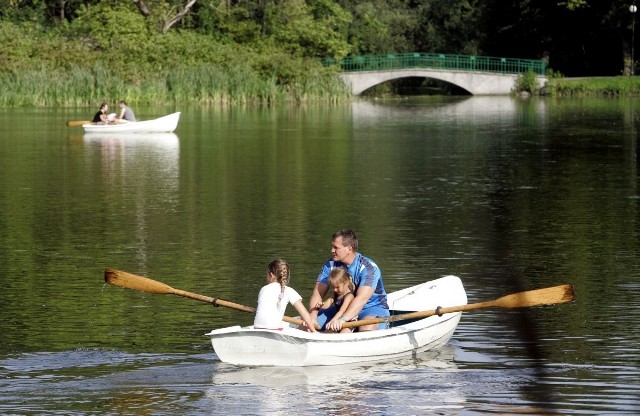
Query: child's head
[[339, 278], [279, 269]]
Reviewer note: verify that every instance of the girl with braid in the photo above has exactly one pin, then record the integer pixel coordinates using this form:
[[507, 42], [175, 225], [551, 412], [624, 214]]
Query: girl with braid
[[274, 298]]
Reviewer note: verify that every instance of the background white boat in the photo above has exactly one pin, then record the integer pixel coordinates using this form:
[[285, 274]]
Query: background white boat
[[293, 347], [165, 124]]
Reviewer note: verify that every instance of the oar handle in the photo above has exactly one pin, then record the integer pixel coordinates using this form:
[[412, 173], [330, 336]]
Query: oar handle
[[236, 306], [227, 304]]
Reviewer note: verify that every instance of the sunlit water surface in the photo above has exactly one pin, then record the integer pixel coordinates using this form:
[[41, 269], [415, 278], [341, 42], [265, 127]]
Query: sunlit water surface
[[508, 194]]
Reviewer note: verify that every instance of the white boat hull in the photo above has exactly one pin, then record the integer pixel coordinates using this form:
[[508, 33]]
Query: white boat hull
[[292, 347], [165, 124]]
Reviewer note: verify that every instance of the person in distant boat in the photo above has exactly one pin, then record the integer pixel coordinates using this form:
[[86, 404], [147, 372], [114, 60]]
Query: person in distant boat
[[126, 113], [370, 299], [101, 115], [343, 288], [274, 298]]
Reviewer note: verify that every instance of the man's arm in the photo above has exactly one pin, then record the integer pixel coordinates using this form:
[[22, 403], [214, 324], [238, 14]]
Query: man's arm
[[319, 291], [362, 297]]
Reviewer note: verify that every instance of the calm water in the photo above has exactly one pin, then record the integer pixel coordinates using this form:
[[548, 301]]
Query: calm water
[[509, 195]]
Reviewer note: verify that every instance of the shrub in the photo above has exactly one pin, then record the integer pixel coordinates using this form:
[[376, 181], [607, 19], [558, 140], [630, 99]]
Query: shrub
[[527, 82]]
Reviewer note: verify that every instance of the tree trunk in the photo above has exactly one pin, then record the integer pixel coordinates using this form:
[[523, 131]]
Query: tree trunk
[[142, 7], [175, 19], [626, 58]]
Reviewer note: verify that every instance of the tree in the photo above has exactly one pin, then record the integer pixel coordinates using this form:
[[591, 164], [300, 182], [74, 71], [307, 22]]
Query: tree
[[175, 13], [314, 29], [382, 26], [450, 26]]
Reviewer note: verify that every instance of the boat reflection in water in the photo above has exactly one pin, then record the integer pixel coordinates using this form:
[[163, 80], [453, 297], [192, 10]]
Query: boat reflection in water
[[143, 171], [164, 140], [160, 145], [441, 359], [431, 377], [144, 155]]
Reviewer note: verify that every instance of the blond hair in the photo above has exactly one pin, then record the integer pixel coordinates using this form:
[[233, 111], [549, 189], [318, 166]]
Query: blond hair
[[280, 269], [340, 276]]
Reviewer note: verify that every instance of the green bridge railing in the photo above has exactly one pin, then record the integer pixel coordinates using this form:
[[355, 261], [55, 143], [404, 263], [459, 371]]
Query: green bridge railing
[[438, 61]]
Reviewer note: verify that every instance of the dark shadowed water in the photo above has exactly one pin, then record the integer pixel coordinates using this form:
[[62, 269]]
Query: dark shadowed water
[[507, 194]]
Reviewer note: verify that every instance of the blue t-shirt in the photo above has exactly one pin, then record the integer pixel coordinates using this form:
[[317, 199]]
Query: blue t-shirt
[[364, 273]]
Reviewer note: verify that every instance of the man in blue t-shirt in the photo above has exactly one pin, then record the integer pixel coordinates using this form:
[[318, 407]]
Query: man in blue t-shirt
[[370, 297]]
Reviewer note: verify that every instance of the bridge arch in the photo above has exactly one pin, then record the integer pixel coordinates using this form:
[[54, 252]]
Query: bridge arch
[[476, 83]]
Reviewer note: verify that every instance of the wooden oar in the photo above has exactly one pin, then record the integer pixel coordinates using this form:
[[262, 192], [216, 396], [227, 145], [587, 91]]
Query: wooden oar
[[537, 297], [76, 123], [144, 284]]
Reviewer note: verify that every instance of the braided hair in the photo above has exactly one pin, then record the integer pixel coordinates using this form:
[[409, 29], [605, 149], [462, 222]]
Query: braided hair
[[280, 269]]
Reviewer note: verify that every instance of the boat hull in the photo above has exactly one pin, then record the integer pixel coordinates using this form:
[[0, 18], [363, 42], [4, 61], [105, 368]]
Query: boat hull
[[165, 124], [292, 347]]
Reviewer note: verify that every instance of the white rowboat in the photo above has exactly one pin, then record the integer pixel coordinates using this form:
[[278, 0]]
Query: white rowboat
[[424, 317], [165, 124], [295, 348]]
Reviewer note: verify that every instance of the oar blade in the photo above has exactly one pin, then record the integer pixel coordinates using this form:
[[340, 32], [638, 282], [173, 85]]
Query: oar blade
[[76, 123], [539, 297], [132, 281], [144, 284]]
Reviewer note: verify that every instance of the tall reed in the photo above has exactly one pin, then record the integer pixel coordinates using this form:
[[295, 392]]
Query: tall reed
[[199, 84]]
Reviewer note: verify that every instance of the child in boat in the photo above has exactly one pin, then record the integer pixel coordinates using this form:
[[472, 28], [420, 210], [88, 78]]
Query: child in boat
[[343, 288], [274, 297]]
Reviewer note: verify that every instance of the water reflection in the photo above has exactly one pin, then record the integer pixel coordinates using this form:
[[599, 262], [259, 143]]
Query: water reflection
[[443, 110], [142, 168], [497, 191], [440, 359], [146, 155], [349, 389], [161, 148]]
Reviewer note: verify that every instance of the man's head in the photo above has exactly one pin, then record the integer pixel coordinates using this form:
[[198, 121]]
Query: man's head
[[344, 246]]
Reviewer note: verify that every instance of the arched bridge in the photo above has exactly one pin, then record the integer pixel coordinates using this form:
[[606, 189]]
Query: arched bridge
[[479, 75]]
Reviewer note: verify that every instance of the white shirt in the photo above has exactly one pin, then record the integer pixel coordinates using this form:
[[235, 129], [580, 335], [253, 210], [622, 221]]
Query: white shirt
[[268, 315]]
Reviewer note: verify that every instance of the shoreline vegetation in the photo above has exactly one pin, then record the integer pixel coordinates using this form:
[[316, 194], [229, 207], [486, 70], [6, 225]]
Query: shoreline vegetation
[[206, 85], [79, 66], [618, 86], [85, 63], [185, 85]]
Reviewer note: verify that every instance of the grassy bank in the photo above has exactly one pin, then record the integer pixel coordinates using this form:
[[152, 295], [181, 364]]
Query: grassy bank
[[41, 67], [594, 87]]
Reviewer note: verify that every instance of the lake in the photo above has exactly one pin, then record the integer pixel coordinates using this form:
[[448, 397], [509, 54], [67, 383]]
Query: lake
[[509, 194]]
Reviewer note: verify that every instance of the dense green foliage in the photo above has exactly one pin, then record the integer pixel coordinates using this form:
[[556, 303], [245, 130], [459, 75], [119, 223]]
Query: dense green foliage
[[74, 52]]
